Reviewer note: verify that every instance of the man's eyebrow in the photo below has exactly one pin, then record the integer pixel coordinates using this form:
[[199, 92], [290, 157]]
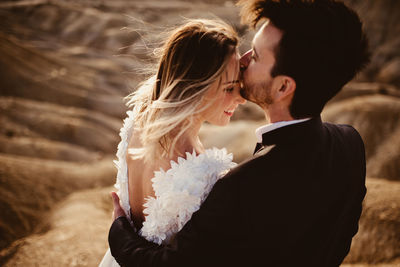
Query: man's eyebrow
[[234, 81]]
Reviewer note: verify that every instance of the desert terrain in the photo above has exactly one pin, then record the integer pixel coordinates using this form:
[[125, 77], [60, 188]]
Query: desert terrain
[[65, 68]]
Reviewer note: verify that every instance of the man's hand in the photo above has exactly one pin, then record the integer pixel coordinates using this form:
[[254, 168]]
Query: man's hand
[[118, 211]]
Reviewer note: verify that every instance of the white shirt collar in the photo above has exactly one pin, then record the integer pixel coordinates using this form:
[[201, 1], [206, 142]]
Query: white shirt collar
[[272, 126]]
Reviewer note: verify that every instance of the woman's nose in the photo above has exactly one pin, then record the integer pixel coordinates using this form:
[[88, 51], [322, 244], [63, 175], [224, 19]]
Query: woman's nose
[[239, 98], [244, 60]]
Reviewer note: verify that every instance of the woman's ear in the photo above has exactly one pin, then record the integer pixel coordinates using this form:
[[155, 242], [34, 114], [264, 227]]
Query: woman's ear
[[284, 87]]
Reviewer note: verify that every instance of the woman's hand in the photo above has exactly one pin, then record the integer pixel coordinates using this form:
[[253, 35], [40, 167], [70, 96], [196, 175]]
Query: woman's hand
[[118, 211]]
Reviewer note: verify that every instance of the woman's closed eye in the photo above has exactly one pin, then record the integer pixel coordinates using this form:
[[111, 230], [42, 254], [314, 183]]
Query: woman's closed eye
[[229, 89]]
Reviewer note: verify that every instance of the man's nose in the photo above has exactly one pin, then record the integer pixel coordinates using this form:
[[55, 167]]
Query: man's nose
[[244, 60]]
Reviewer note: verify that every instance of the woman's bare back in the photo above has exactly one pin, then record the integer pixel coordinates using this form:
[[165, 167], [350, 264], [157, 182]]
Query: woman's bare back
[[139, 180]]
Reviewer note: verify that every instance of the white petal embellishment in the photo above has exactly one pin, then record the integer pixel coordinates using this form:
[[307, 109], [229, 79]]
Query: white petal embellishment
[[180, 192]]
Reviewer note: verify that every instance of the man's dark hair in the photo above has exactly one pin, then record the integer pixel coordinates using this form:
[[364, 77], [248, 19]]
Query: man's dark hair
[[322, 48]]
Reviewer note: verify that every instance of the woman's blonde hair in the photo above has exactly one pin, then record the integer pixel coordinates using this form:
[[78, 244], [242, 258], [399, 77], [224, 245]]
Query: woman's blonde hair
[[193, 57]]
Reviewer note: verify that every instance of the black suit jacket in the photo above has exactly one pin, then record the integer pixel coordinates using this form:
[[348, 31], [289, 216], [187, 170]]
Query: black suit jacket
[[297, 202]]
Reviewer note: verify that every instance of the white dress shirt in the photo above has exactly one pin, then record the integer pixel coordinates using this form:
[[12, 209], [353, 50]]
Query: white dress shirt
[[272, 126]]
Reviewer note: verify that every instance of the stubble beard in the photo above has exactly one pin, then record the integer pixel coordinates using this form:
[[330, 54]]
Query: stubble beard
[[259, 93]]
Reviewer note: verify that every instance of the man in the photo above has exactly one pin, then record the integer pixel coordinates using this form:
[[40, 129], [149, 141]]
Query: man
[[297, 202]]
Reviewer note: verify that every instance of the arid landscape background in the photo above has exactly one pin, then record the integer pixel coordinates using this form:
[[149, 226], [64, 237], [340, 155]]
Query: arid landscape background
[[65, 66]]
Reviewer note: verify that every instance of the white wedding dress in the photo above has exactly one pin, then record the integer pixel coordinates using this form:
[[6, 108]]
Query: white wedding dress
[[179, 191]]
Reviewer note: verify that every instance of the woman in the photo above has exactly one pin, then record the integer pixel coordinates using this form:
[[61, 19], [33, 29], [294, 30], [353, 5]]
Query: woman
[[196, 82]]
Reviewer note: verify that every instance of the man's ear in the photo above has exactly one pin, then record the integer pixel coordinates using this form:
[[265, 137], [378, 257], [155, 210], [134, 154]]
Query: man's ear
[[283, 87]]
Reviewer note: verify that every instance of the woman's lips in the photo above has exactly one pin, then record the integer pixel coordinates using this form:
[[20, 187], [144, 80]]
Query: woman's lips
[[229, 113]]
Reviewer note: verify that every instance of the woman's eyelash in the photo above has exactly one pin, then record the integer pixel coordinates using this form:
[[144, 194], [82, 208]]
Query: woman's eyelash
[[229, 89]]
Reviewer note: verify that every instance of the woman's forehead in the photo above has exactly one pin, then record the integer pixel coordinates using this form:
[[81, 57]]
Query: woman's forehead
[[231, 73]]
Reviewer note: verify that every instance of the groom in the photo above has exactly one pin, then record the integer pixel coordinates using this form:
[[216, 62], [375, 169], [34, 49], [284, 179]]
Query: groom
[[297, 202]]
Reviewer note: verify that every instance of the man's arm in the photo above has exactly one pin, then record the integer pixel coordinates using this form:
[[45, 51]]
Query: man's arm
[[209, 229]]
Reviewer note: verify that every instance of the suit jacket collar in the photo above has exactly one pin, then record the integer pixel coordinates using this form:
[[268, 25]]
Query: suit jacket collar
[[272, 126], [292, 132]]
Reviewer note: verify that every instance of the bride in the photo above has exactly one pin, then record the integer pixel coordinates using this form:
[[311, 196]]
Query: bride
[[164, 172]]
